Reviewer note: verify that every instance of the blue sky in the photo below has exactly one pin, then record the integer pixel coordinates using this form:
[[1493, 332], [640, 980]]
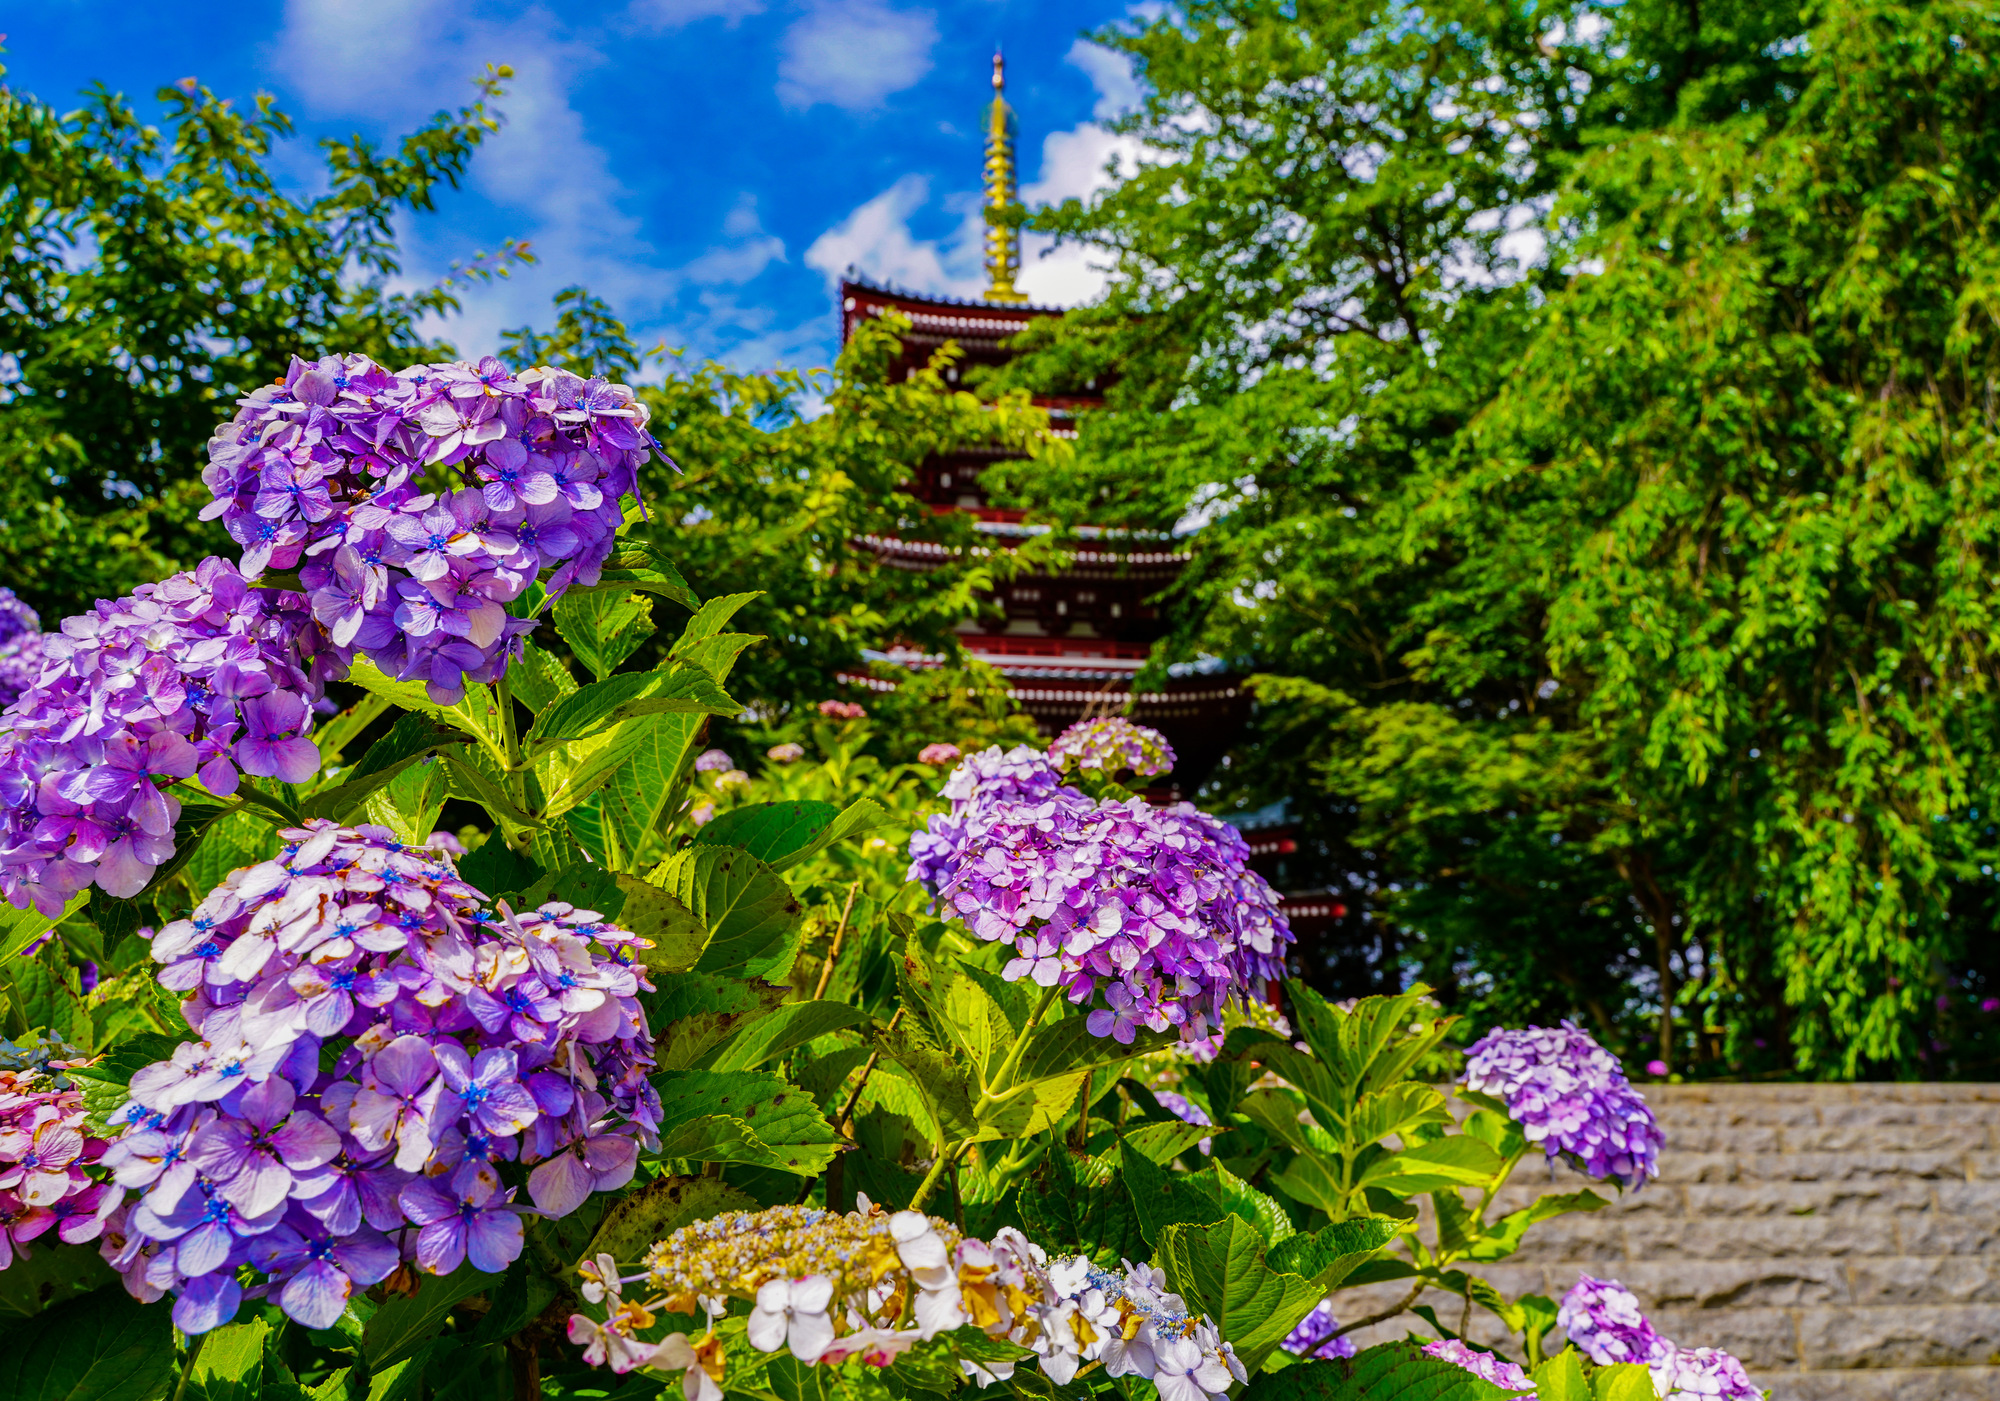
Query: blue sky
[[707, 166]]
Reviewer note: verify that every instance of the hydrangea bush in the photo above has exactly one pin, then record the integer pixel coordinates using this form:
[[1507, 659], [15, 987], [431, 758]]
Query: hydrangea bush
[[310, 1097]]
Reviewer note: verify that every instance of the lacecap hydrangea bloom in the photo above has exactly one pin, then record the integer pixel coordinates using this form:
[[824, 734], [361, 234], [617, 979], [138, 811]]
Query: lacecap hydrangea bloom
[[46, 1152], [198, 675], [977, 789], [1154, 908], [1570, 1096], [330, 472], [20, 647], [383, 1065], [826, 1286], [1484, 1365], [1112, 744], [1603, 1318]]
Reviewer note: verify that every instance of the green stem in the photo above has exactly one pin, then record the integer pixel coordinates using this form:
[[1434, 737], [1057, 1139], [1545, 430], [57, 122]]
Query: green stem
[[266, 801], [1008, 1066], [945, 1158], [187, 1367]]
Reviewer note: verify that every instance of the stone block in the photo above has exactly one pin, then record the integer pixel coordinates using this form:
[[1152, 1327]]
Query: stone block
[[1783, 1237], [1953, 1233], [1726, 1138], [1760, 1338], [1902, 1280], [1984, 1165], [1962, 1198], [1849, 1167], [1813, 1198], [1735, 1284], [1955, 1136], [1884, 1384], [1962, 1335]]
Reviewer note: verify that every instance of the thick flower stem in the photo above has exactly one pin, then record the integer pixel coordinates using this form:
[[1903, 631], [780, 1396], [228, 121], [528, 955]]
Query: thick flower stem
[[945, 1158], [996, 1088]]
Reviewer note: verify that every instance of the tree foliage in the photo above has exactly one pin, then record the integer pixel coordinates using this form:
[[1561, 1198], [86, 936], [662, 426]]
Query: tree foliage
[[149, 275], [1589, 413]]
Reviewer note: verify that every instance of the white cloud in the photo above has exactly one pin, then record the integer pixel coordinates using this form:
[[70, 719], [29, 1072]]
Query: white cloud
[[854, 53], [396, 63], [876, 240], [673, 14], [1074, 166], [1110, 72], [752, 251]]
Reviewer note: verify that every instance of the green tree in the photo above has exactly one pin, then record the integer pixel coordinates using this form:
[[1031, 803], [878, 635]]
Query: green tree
[[1627, 603], [149, 277]]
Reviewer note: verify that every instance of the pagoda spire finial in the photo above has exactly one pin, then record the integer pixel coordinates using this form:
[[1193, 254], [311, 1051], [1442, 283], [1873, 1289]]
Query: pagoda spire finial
[[1003, 242]]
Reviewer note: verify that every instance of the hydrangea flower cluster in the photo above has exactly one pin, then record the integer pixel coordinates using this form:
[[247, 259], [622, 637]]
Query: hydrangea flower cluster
[[45, 1151], [1318, 1335], [785, 753], [20, 647], [842, 710], [938, 754], [1112, 744], [1154, 907], [1569, 1095], [378, 1052], [1484, 1365], [1603, 1318], [330, 471], [826, 1287], [196, 675], [977, 790]]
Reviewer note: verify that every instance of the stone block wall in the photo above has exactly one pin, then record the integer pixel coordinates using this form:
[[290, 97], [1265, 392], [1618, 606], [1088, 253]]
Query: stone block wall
[[1843, 1240]]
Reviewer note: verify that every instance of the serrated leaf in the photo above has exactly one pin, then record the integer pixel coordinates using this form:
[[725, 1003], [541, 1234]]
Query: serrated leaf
[[105, 1346], [651, 913], [603, 626], [638, 564], [410, 739], [1561, 1378], [658, 1209], [1622, 1381], [790, 1026], [692, 1013], [1387, 1372], [20, 928], [477, 715], [717, 655], [405, 1323], [628, 815], [602, 705], [752, 916], [1083, 1204], [774, 833], [1504, 1236], [496, 869], [583, 885], [1456, 1161], [1329, 1255], [1163, 1142], [739, 1116], [1168, 1198], [402, 1380], [408, 804], [711, 618], [1066, 1047], [230, 1366], [55, 1273], [1220, 1270]]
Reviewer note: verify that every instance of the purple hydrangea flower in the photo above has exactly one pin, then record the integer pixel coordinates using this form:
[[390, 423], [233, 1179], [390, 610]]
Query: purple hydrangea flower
[[1112, 745], [977, 788], [1569, 1095], [373, 1045], [1603, 1318], [1484, 1365], [1315, 1335], [20, 647], [1155, 908], [131, 697], [1703, 1374]]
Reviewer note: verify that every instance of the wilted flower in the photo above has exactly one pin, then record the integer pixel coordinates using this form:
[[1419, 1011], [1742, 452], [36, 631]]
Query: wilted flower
[[373, 1044], [1570, 1096], [1112, 745]]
